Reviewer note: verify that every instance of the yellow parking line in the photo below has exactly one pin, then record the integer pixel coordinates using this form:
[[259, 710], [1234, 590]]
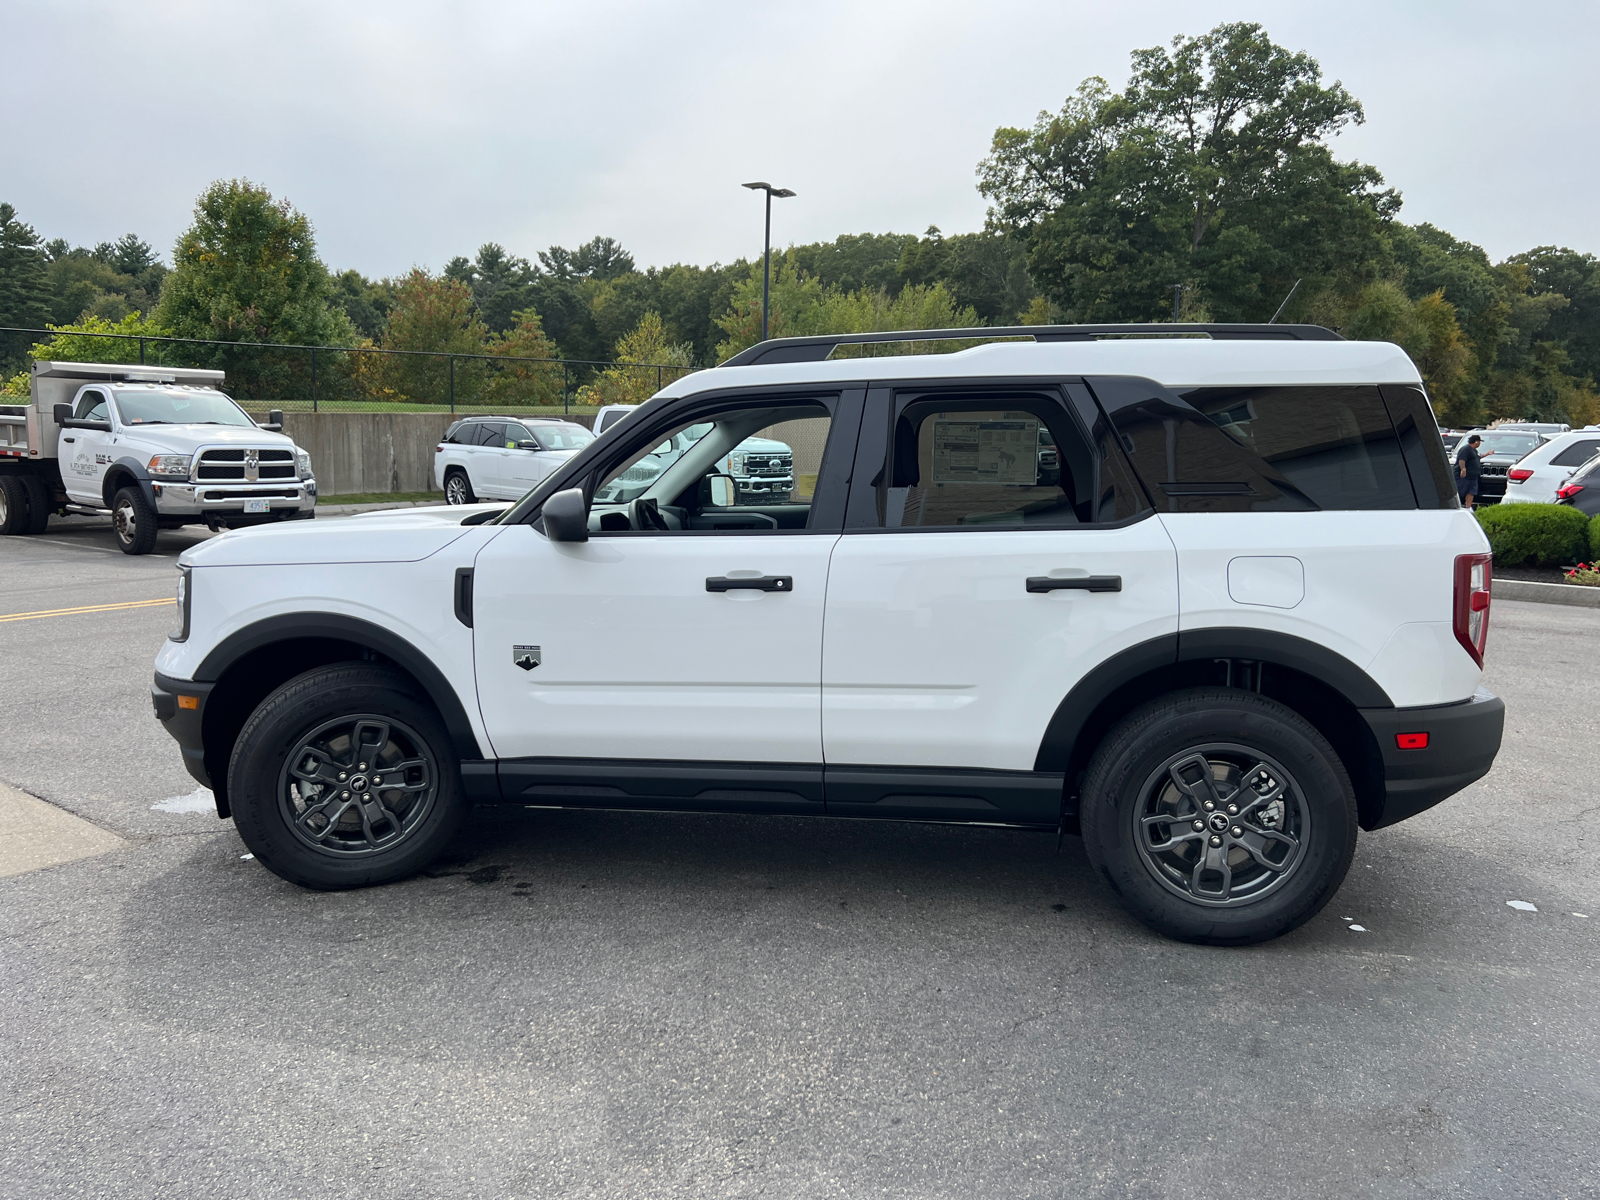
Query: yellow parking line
[[86, 608]]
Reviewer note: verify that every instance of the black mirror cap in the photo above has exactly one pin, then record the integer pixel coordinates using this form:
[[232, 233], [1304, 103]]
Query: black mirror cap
[[274, 421], [62, 413], [527, 444], [566, 516]]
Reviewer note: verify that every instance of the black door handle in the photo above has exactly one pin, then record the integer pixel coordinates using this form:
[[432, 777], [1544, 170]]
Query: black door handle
[[1082, 583], [754, 583]]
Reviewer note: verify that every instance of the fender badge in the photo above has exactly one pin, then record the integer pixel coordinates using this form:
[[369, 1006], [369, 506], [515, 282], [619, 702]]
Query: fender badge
[[526, 657]]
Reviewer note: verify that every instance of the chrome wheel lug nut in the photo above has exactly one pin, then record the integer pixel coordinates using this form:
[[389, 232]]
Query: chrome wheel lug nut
[[1209, 806], [342, 776], [1236, 831], [1199, 824], [346, 796], [362, 766], [1234, 809], [1216, 840]]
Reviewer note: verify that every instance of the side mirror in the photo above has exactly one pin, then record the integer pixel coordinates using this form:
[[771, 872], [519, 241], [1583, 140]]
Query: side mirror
[[527, 444], [62, 413], [274, 420], [722, 491], [566, 516]]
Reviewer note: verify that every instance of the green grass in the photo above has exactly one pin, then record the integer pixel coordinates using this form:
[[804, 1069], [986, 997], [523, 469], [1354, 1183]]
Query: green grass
[[380, 497]]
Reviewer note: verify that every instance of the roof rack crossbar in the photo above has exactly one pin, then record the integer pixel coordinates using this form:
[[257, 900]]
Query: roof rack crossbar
[[815, 349]]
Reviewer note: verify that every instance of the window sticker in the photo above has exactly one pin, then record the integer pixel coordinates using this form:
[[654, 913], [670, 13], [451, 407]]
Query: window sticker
[[986, 451]]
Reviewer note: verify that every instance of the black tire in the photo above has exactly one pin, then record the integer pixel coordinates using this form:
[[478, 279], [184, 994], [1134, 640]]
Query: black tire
[[134, 520], [288, 779], [1208, 874], [13, 505], [458, 487], [39, 503]]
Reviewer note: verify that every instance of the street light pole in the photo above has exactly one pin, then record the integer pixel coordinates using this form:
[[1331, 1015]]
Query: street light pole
[[766, 251]]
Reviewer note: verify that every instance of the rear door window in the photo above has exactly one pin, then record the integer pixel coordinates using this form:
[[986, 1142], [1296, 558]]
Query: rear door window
[[1576, 454]]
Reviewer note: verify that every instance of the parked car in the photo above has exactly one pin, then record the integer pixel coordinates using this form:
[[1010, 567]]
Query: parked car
[[151, 447], [1535, 477], [1246, 621], [761, 470], [1582, 488], [609, 415], [1451, 438], [500, 459], [1545, 429], [1499, 452]]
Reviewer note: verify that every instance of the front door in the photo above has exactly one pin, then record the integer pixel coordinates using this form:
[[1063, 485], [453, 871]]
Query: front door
[[997, 557], [86, 453], [686, 630]]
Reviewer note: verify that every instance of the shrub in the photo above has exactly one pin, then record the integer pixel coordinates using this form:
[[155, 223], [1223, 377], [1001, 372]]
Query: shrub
[[1535, 533], [1594, 537]]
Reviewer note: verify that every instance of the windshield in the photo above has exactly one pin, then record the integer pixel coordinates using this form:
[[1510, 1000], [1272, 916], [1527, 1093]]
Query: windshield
[[1508, 443], [562, 437], [178, 406]]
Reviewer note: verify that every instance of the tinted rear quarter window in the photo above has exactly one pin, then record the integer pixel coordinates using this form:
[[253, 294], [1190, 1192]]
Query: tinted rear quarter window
[[1577, 453]]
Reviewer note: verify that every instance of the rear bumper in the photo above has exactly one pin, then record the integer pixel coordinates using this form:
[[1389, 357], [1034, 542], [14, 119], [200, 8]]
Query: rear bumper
[[185, 722], [1463, 739]]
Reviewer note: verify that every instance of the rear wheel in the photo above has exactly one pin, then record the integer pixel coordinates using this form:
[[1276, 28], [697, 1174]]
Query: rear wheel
[[13, 505], [39, 503], [1219, 816], [458, 488], [344, 777], [134, 520]]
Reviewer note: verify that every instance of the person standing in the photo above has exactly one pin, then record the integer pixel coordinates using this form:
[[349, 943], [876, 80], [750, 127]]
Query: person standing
[[1468, 468]]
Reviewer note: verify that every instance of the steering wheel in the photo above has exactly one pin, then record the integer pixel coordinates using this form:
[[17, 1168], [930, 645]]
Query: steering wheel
[[643, 513]]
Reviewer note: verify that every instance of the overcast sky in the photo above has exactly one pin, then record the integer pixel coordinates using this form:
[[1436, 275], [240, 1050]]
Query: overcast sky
[[410, 132]]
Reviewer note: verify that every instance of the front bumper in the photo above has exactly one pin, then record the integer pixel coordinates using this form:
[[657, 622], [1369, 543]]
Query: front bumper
[[763, 485], [201, 500], [1463, 739], [180, 706]]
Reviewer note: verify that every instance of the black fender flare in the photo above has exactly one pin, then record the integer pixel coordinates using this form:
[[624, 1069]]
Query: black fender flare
[[1199, 645], [141, 477], [338, 627]]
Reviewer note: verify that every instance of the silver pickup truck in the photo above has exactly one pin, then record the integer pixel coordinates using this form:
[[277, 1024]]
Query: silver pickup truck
[[153, 447]]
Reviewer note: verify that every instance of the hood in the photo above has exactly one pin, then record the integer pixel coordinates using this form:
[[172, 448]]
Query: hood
[[186, 439], [759, 445], [447, 514], [403, 535]]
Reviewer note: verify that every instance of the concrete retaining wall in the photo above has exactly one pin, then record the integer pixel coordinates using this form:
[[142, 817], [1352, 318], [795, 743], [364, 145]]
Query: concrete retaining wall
[[373, 452]]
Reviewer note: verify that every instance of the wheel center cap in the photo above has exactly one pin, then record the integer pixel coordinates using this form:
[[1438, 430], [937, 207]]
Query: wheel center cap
[[1218, 822], [358, 783]]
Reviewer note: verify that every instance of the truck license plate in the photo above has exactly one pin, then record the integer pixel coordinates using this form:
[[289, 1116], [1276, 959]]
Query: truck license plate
[[255, 506]]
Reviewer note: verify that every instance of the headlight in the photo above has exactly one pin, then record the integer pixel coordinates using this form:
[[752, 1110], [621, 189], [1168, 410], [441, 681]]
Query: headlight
[[181, 633], [735, 464], [304, 460], [170, 465]]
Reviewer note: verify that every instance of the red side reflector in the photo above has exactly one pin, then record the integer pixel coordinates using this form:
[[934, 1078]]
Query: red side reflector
[[1411, 741]]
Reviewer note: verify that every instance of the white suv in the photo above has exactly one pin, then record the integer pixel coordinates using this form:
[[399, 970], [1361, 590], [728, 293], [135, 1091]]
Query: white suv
[[1535, 477], [1244, 619], [500, 458]]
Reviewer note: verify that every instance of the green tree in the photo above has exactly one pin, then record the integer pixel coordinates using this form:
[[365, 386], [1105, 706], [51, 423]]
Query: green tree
[[658, 361], [525, 376], [24, 284], [1211, 169], [432, 318], [247, 270], [365, 303], [69, 343], [1556, 270]]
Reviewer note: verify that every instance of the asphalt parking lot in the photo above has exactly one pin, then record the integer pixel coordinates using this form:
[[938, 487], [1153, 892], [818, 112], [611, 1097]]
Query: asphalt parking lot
[[603, 1005]]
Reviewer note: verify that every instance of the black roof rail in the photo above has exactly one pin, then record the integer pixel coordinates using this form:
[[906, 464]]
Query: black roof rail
[[815, 349]]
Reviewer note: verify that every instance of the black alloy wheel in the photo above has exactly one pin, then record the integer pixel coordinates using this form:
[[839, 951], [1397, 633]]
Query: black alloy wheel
[[1219, 816], [346, 776]]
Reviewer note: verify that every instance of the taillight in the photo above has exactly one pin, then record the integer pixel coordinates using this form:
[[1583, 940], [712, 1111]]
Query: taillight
[[1568, 492], [1473, 579], [1518, 474]]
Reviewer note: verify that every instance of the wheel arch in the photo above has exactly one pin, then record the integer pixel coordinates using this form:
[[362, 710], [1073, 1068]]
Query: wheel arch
[[1322, 686], [126, 472], [248, 665]]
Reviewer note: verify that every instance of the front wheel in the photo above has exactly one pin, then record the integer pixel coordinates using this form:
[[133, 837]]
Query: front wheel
[[344, 777], [1219, 816], [458, 489], [134, 520]]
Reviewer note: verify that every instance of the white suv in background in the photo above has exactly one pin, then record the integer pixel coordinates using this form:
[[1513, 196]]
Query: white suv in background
[[1242, 619], [500, 458], [1536, 476]]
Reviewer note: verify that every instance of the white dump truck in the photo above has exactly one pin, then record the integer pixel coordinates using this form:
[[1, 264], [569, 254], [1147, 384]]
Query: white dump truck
[[152, 447]]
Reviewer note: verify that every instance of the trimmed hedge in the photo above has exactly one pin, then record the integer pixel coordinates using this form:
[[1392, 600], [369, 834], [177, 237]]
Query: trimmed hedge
[[1541, 534], [1594, 539]]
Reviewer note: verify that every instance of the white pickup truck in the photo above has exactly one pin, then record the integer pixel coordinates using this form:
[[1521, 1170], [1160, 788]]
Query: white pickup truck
[[154, 447]]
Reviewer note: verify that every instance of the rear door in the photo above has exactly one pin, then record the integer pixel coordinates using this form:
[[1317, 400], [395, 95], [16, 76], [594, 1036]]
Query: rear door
[[975, 584]]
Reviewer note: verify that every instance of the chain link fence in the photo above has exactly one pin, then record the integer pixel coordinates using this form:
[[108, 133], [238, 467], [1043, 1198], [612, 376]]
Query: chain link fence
[[363, 379]]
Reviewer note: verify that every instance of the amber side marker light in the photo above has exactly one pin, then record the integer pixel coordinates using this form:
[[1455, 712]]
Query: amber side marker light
[[1406, 741], [194, 702]]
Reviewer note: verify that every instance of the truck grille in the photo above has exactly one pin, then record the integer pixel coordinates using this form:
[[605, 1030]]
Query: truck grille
[[245, 466], [767, 464]]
